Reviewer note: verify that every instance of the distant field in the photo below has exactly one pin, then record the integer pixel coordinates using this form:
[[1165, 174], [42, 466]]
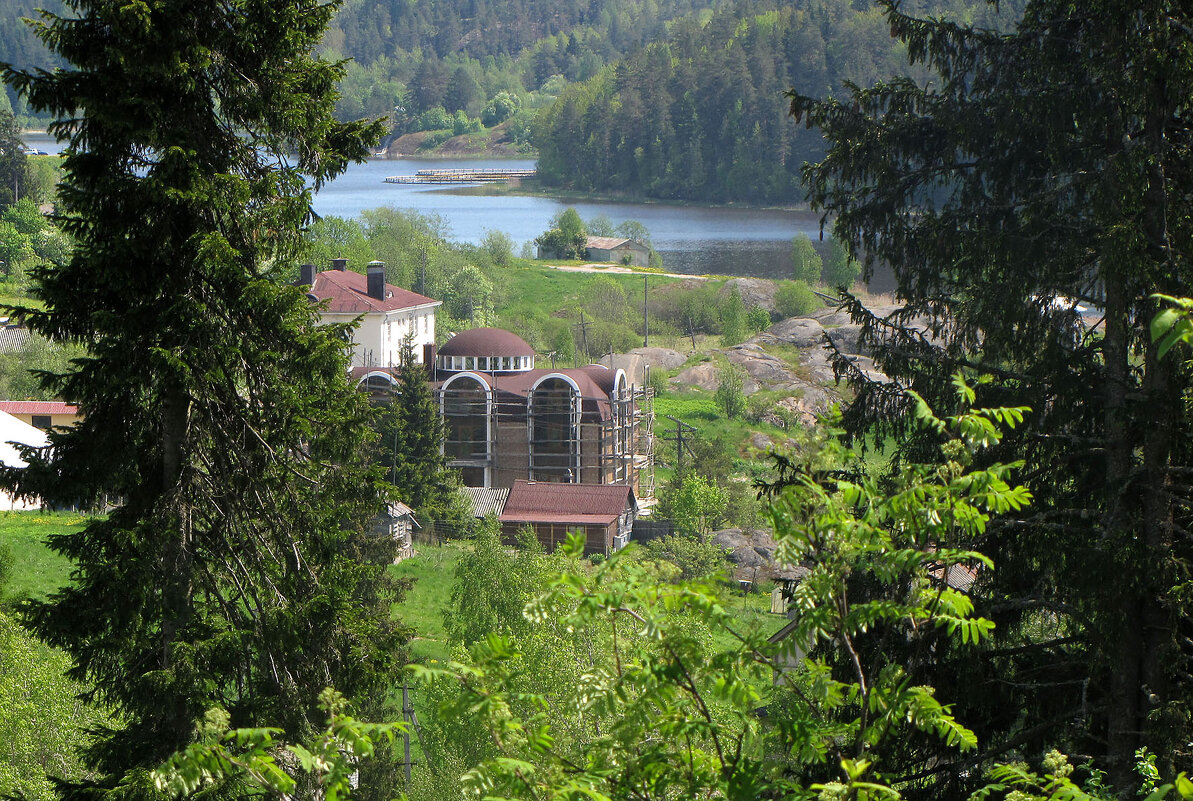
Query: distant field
[[37, 571]]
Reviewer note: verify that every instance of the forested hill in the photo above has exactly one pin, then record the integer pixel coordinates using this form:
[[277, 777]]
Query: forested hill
[[19, 45], [702, 115]]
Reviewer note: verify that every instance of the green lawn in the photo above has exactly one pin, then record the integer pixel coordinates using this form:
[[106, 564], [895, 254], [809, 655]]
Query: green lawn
[[433, 570], [37, 571]]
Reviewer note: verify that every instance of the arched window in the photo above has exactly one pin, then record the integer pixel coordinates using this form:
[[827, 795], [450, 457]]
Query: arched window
[[465, 403], [554, 428]]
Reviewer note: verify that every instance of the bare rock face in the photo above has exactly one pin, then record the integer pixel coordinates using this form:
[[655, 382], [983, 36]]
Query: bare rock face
[[803, 332], [749, 549], [754, 292], [705, 376], [660, 358]]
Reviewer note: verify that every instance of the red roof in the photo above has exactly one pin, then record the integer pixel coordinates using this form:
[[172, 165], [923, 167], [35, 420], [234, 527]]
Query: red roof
[[545, 502], [38, 407], [486, 342], [348, 293]]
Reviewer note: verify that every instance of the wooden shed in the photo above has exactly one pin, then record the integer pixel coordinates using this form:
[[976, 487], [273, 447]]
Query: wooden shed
[[604, 512]]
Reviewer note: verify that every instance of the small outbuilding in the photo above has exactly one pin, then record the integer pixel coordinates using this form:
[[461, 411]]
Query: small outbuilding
[[605, 514], [617, 251]]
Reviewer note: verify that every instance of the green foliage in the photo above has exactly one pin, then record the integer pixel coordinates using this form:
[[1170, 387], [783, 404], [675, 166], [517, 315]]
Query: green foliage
[[806, 262], [729, 396], [668, 703], [499, 246], [998, 227], [841, 270], [695, 504], [218, 411], [565, 238], [796, 299], [492, 584], [757, 319], [733, 319], [500, 108], [256, 758], [20, 369], [14, 169], [44, 727], [410, 441], [695, 558]]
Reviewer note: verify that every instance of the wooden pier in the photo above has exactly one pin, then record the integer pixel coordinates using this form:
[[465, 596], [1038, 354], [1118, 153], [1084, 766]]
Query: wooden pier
[[459, 176]]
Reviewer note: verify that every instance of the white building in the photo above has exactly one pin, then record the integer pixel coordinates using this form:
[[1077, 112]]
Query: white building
[[388, 314]]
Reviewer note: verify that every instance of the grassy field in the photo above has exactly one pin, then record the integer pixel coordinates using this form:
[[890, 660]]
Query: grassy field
[[433, 570], [37, 571]]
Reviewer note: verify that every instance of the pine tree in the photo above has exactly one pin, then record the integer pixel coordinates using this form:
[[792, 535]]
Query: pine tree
[[1045, 170], [219, 419]]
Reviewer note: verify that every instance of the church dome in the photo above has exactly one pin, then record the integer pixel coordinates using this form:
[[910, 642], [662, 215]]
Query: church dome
[[487, 350]]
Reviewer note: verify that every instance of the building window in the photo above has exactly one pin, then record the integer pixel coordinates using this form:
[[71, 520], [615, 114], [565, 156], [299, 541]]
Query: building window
[[466, 427], [42, 421], [554, 432]]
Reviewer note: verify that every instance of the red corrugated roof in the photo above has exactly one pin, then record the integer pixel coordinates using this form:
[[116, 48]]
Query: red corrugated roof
[[348, 293], [570, 502], [38, 407]]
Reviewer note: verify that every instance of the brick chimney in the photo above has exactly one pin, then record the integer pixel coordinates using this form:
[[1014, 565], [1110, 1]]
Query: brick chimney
[[376, 278], [339, 264], [306, 275]]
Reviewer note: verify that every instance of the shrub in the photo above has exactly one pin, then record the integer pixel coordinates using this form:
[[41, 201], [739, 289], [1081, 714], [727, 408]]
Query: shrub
[[796, 299]]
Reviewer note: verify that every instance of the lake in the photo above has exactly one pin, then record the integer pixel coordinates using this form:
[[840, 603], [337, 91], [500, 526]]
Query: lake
[[691, 239]]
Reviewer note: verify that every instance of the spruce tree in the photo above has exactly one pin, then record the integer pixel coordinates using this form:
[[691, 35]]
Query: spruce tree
[[218, 417], [1045, 171], [411, 440]]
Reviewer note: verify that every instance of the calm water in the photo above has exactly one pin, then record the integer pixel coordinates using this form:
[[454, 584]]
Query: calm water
[[690, 239], [695, 240]]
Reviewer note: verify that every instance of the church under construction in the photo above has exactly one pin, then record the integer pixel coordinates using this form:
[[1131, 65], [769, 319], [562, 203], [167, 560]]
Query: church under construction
[[506, 419]]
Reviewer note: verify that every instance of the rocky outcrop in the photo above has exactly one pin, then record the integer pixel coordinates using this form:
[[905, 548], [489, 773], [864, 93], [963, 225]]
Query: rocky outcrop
[[754, 292]]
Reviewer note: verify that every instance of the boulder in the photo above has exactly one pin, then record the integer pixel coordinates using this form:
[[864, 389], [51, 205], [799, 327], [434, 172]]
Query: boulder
[[660, 358], [754, 292], [803, 332]]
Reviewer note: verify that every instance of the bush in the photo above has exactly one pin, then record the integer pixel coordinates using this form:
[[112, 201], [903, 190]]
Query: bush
[[757, 318], [796, 299], [694, 558], [730, 395]]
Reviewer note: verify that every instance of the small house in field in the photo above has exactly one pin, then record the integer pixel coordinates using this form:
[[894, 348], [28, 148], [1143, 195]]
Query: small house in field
[[617, 251], [604, 513]]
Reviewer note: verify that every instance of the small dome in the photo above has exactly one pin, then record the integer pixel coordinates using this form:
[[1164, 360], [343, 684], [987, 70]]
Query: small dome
[[486, 342]]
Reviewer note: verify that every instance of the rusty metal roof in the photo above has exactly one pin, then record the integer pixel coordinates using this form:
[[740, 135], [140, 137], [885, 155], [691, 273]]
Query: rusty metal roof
[[551, 502]]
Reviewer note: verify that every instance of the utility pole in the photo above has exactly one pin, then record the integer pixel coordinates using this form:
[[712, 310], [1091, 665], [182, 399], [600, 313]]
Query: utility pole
[[680, 428], [584, 333]]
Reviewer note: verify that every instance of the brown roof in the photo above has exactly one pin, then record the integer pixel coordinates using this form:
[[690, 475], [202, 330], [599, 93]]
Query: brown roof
[[486, 342], [543, 502], [594, 397], [348, 293], [38, 407], [611, 242]]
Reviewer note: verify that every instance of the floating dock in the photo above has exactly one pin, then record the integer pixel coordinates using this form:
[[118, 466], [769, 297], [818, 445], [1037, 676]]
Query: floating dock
[[459, 176]]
